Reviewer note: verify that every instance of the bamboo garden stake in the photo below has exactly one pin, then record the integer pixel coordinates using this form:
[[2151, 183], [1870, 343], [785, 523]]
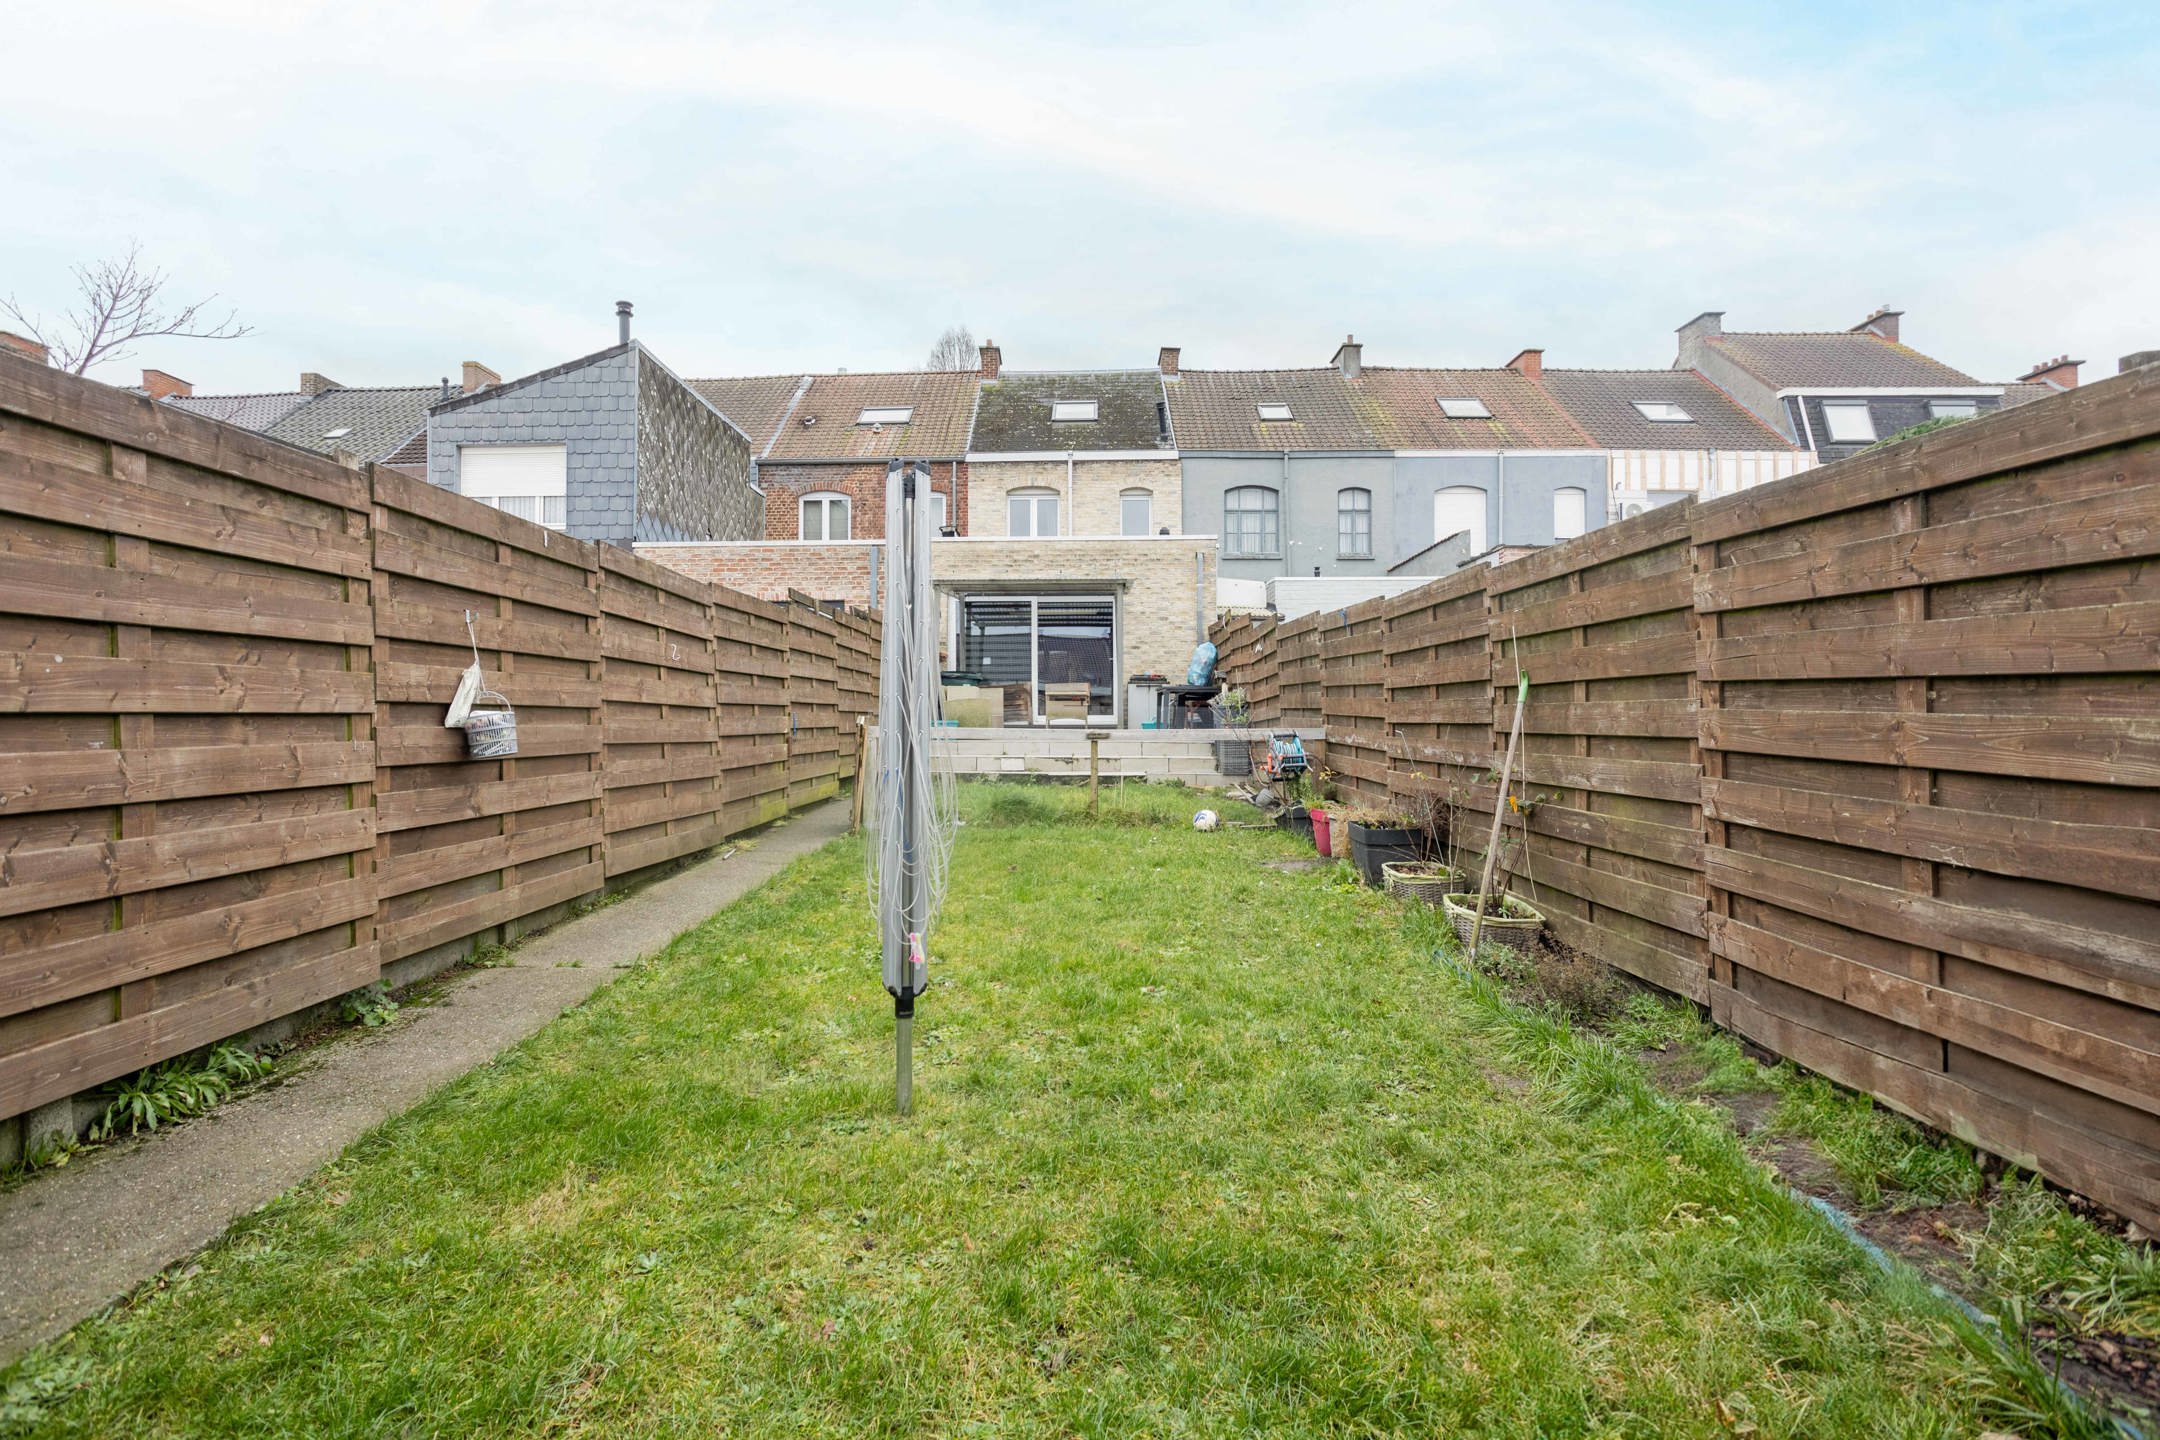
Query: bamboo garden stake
[[1499, 812]]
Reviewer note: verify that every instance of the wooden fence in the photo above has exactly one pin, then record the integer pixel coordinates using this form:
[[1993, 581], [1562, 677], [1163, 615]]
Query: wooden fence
[[1865, 761], [226, 792]]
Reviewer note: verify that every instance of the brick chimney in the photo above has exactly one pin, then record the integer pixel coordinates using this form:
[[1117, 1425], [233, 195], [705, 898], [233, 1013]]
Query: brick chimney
[[2061, 372], [314, 384], [1528, 362], [479, 377], [24, 346], [1883, 322], [160, 384], [1349, 357], [993, 359], [1166, 359]]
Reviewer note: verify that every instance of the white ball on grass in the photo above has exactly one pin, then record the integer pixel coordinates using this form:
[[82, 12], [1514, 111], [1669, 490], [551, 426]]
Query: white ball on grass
[[1206, 820]]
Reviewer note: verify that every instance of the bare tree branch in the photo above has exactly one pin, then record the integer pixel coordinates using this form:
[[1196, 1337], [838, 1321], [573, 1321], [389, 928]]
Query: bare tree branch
[[954, 350], [119, 302]]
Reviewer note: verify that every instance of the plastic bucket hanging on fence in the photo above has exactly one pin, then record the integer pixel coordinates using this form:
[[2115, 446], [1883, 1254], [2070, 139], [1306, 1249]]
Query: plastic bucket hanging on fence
[[490, 733]]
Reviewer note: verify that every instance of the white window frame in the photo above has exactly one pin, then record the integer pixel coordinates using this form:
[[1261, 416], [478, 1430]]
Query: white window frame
[[1345, 508], [1847, 408], [1064, 412], [1273, 410], [1560, 505], [824, 500], [1461, 493], [1034, 498], [940, 511], [546, 506], [1463, 407], [1662, 412], [1147, 511], [886, 415], [1953, 409], [1269, 539]]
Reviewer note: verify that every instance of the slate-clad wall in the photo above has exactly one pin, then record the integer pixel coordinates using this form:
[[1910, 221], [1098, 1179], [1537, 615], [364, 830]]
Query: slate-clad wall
[[591, 411], [692, 476], [1891, 414]]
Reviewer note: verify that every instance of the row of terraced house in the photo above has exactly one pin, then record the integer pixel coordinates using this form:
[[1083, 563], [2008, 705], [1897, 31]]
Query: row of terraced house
[[1094, 521]]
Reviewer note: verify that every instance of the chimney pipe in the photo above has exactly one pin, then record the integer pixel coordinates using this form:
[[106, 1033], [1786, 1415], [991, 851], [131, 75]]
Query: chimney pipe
[[447, 392], [1166, 360], [993, 359], [1528, 362], [622, 322], [1350, 357]]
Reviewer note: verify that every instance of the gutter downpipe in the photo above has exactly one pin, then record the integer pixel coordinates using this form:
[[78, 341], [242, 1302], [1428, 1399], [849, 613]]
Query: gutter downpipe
[[1071, 520], [1282, 510], [1501, 481]]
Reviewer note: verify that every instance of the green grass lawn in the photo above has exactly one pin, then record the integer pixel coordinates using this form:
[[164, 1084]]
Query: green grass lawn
[[1201, 1148]]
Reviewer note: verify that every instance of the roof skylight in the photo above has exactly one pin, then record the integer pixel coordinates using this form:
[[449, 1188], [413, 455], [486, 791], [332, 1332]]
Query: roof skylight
[[1664, 412], [886, 415], [1072, 409], [1273, 410], [338, 434], [1462, 407]]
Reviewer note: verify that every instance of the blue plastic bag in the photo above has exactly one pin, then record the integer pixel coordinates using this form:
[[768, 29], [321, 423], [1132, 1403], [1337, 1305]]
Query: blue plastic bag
[[1203, 664]]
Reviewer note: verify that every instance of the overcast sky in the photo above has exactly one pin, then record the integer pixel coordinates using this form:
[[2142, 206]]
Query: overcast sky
[[383, 191]]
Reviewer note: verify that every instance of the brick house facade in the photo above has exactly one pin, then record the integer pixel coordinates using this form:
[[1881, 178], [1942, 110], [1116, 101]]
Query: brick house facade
[[863, 483]]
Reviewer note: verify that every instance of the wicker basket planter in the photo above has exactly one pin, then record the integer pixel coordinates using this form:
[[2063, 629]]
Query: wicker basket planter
[[1426, 880], [1514, 925]]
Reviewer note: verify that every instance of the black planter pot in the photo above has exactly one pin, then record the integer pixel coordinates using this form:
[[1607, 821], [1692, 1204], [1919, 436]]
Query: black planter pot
[[1297, 820], [1372, 846]]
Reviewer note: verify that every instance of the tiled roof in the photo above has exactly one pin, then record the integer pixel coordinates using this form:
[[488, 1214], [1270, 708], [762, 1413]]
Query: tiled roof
[[376, 422], [823, 426], [411, 456], [2024, 392], [1384, 408], [1216, 410], [1524, 417], [1014, 412], [249, 412], [1602, 402], [756, 403], [1833, 359]]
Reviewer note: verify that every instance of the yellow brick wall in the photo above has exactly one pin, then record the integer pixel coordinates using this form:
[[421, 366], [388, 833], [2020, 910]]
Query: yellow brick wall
[[1155, 609], [1097, 488]]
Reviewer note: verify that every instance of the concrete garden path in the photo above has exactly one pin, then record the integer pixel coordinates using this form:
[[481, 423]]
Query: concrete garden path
[[74, 1240]]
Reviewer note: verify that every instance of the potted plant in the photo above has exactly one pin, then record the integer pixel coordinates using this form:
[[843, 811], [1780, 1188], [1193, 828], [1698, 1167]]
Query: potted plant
[[1426, 880], [1379, 834], [1509, 921]]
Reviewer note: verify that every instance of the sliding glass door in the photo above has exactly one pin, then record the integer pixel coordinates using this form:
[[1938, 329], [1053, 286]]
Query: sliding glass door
[[1049, 647]]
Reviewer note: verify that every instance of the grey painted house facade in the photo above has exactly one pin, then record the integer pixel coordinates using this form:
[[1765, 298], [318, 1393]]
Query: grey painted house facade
[[610, 447], [1349, 470]]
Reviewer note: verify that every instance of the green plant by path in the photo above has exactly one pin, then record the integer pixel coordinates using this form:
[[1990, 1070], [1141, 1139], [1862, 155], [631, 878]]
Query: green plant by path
[[1201, 1148], [175, 1090]]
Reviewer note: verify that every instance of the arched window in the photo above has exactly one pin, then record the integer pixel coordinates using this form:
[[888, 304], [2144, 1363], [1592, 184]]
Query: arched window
[[1031, 513], [1133, 511], [1459, 508], [1570, 512], [1353, 523], [824, 516], [1252, 522]]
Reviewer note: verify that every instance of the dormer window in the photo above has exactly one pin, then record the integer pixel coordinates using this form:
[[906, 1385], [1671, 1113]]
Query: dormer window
[[886, 415], [1849, 423], [1273, 410], [1462, 407], [1953, 409], [1061, 410], [1663, 412]]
